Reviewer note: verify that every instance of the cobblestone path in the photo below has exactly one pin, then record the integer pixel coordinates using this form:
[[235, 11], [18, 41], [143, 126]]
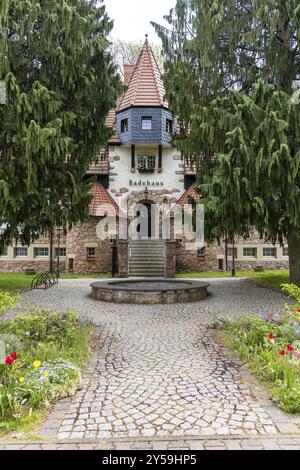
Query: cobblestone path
[[160, 371]]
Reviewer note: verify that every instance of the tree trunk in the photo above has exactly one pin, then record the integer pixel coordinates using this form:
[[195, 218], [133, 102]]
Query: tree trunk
[[294, 255]]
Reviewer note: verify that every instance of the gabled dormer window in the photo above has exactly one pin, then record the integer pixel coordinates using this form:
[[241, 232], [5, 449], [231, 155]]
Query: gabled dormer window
[[146, 123], [169, 126], [124, 126]]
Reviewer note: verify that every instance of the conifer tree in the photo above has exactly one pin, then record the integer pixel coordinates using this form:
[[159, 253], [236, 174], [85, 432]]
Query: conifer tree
[[230, 68], [60, 83]]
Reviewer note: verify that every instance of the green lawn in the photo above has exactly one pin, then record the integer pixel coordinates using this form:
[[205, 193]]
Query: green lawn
[[19, 281], [269, 278]]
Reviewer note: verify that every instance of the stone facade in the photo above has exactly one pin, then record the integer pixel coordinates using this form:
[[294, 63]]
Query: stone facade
[[189, 261], [79, 239]]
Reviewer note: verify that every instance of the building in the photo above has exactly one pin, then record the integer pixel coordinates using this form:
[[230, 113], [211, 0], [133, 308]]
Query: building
[[140, 165]]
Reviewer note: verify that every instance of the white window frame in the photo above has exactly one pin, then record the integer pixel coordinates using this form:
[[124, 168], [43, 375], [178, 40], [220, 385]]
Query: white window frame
[[35, 248], [169, 126], [5, 254], [250, 248], [146, 123], [273, 248], [89, 256], [124, 125], [149, 163], [285, 248], [21, 248], [229, 252], [61, 248]]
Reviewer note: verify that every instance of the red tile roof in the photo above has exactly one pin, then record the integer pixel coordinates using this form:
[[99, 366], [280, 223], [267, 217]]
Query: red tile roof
[[102, 203], [190, 193], [145, 87], [111, 122], [128, 71]]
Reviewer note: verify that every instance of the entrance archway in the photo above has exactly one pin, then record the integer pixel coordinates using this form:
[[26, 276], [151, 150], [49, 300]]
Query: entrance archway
[[147, 227]]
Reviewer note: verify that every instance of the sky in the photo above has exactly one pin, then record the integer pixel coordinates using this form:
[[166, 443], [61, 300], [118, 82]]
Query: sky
[[132, 17]]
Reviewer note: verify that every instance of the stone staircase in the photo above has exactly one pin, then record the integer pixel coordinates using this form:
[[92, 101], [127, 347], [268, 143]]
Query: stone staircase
[[147, 258]]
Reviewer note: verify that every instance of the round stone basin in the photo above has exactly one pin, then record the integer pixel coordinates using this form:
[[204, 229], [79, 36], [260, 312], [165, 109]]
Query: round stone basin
[[150, 291]]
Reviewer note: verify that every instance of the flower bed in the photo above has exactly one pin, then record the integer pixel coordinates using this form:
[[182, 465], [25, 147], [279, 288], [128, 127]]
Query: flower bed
[[45, 352], [270, 345]]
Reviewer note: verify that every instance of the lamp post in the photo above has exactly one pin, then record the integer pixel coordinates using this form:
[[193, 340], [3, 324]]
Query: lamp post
[[58, 231]]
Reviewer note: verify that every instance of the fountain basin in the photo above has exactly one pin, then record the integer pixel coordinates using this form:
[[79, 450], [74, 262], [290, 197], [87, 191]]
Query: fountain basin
[[150, 291]]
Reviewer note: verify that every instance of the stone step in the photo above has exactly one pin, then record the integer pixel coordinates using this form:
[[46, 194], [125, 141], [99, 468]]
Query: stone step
[[147, 262], [146, 270]]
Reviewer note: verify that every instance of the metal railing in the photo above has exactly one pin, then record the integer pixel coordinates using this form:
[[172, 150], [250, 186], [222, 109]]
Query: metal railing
[[44, 281]]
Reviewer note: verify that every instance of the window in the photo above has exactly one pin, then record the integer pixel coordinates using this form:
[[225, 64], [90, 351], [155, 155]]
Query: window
[[250, 252], [146, 123], [4, 251], [285, 251], [146, 163], [269, 252], [62, 252], [71, 264], [201, 252], [230, 253], [41, 252], [169, 126], [124, 126], [21, 252], [90, 252]]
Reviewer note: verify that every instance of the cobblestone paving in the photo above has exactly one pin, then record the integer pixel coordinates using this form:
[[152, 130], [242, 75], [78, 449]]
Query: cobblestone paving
[[291, 442], [160, 371]]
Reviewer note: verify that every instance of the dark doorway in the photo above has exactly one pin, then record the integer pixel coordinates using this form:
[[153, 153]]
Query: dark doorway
[[145, 229]]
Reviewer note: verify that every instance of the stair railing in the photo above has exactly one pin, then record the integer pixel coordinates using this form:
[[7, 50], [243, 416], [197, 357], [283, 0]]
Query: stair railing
[[44, 280]]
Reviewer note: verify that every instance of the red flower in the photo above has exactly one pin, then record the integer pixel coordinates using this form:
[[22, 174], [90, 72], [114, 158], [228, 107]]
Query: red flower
[[9, 360], [298, 310], [282, 352], [290, 348], [271, 336]]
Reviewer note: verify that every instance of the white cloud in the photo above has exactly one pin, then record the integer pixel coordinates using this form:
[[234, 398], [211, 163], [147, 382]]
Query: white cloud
[[132, 17]]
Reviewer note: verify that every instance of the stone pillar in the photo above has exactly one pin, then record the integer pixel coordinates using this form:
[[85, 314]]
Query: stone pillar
[[170, 259], [122, 258]]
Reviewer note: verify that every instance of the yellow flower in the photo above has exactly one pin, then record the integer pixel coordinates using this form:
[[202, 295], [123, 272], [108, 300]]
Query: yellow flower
[[21, 380], [37, 364], [46, 374]]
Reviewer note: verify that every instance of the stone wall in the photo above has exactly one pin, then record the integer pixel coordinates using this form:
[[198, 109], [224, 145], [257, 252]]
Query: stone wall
[[21, 266], [188, 261], [78, 239], [266, 264]]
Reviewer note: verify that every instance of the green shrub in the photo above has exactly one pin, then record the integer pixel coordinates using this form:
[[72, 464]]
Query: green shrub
[[50, 350], [292, 290], [44, 325], [7, 302]]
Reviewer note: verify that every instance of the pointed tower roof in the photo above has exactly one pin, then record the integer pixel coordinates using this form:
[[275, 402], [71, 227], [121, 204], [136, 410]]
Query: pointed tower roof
[[145, 87]]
